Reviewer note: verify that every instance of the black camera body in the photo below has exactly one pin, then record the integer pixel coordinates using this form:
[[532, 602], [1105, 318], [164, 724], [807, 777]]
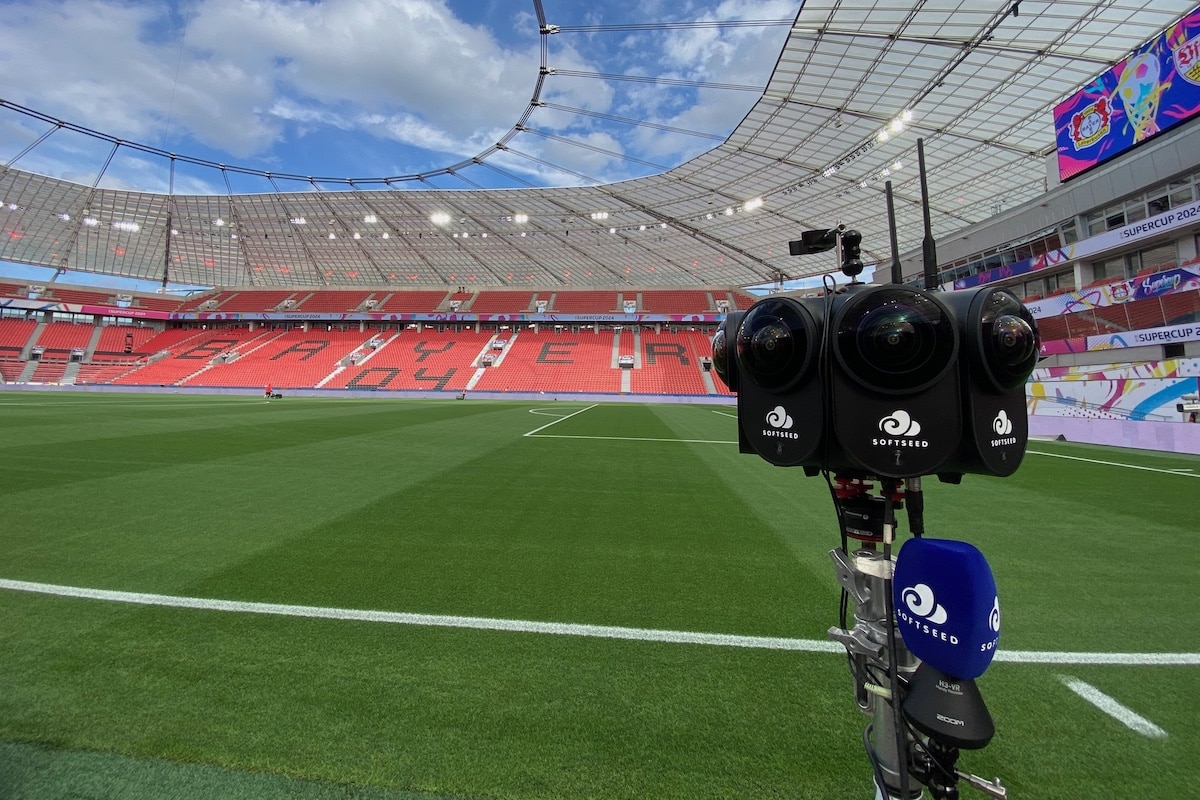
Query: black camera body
[[890, 381]]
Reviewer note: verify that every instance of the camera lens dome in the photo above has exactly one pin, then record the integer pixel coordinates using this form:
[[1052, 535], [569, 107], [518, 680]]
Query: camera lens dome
[[720, 354], [776, 343], [895, 339], [1008, 338]]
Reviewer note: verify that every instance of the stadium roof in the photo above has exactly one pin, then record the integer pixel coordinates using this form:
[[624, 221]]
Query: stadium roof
[[856, 84]]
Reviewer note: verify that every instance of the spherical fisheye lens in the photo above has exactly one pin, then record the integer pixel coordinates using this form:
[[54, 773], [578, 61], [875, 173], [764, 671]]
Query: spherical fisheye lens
[[895, 339], [774, 344], [1009, 339], [1012, 340], [720, 354], [891, 336]]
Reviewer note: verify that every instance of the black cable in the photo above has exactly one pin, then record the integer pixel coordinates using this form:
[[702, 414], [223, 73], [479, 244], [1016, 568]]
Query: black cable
[[880, 783], [825, 373]]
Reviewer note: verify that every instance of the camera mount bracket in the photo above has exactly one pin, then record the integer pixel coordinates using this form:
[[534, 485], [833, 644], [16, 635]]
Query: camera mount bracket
[[905, 762], [866, 577]]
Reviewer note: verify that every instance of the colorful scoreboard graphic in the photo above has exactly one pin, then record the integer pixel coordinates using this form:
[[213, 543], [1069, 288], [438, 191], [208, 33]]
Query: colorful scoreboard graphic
[[1155, 89]]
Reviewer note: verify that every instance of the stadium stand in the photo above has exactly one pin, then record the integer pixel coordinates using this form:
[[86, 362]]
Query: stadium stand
[[260, 300], [101, 373], [156, 303], [559, 361], [1144, 314], [412, 302], [58, 339], [213, 299], [1181, 307], [676, 301], [1113, 319], [60, 294], [49, 372], [666, 362], [602, 302], [11, 371], [740, 300], [670, 363], [122, 343], [192, 354], [1052, 328], [418, 360], [288, 359], [501, 302], [14, 290], [14, 334], [173, 338], [332, 302]]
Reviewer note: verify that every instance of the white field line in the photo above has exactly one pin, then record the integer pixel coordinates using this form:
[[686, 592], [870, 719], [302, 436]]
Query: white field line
[[556, 628], [426, 620], [560, 419], [538, 435], [1114, 464], [1103, 659], [626, 438], [547, 412], [1128, 718]]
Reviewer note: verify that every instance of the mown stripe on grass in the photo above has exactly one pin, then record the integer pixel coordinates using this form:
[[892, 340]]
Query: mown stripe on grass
[[560, 628]]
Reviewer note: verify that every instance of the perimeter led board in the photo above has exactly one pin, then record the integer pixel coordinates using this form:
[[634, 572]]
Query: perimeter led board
[[1151, 91]]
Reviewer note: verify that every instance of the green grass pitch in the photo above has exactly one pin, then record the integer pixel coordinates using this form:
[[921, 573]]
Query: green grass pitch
[[638, 516]]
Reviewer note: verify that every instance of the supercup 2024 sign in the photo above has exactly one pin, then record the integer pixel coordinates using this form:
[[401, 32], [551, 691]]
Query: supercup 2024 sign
[[1155, 89]]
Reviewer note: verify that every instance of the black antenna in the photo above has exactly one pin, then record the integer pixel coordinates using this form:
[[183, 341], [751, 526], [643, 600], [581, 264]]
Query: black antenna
[[891, 212], [928, 248]]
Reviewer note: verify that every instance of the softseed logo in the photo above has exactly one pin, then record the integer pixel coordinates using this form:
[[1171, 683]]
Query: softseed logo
[[900, 424], [920, 601], [1002, 426], [924, 613], [781, 424], [994, 624]]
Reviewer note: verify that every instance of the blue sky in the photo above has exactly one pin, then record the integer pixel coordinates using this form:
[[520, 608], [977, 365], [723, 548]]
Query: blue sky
[[371, 88]]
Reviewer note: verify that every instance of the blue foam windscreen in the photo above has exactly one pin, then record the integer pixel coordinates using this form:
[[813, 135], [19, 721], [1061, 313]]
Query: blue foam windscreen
[[947, 608]]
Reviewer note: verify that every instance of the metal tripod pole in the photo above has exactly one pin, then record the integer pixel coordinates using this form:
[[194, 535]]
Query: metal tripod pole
[[866, 576]]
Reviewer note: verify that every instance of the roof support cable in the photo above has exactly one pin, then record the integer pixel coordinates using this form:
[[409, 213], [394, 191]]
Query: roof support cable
[[57, 127]]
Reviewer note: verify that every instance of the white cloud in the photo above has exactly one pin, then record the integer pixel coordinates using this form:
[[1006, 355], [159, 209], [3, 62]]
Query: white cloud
[[241, 80], [379, 55], [238, 72]]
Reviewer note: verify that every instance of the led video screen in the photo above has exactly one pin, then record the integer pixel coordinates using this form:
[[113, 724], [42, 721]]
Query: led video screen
[[1151, 91]]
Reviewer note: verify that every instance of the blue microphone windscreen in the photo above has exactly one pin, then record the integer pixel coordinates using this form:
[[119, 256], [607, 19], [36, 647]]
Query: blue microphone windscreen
[[947, 608]]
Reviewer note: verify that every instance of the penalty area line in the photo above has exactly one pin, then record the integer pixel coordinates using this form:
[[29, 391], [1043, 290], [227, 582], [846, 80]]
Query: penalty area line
[[555, 628], [1127, 717], [560, 419]]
